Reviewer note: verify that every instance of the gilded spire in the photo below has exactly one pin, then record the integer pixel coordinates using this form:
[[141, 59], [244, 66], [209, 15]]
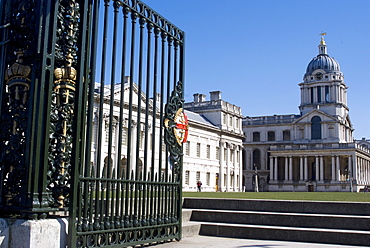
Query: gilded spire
[[322, 46]]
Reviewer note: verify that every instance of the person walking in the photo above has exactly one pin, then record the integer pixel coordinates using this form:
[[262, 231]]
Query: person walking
[[199, 186]]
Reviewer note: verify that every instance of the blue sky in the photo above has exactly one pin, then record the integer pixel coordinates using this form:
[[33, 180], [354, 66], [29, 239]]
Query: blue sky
[[256, 52]]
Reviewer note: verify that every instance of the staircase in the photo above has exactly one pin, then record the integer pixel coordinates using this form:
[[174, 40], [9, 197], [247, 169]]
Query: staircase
[[319, 222]]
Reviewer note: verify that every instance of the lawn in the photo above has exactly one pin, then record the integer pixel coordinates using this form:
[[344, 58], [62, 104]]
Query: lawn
[[298, 196]]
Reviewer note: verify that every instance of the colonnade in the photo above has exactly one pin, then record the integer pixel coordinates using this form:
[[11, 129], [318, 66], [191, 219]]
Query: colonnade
[[327, 93], [363, 172], [340, 166], [230, 167]]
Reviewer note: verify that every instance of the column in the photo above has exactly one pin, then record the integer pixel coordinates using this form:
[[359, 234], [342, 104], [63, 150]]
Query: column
[[350, 167], [290, 169], [305, 169], [272, 168], [227, 168], [221, 172], [286, 169], [276, 168], [321, 168], [322, 93], [338, 169], [333, 166], [354, 167], [302, 95], [317, 167], [301, 168], [235, 172], [241, 168]]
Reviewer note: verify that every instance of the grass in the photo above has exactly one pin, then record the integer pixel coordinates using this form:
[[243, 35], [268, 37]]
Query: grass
[[299, 196]]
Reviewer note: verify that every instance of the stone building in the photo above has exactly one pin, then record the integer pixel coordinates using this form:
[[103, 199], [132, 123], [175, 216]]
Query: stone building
[[313, 150], [213, 152]]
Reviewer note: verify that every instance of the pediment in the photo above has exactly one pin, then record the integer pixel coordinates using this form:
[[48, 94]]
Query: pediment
[[307, 117]]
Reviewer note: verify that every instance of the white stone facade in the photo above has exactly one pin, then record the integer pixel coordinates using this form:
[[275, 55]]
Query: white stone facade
[[312, 151], [213, 153]]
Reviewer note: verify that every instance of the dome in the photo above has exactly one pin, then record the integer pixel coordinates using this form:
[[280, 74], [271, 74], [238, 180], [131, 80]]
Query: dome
[[322, 61]]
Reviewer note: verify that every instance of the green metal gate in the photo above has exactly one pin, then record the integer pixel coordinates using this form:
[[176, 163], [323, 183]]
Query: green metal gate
[[91, 118], [127, 185]]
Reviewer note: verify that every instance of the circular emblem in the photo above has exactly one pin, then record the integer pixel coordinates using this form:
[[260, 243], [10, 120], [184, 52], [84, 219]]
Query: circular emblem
[[180, 126]]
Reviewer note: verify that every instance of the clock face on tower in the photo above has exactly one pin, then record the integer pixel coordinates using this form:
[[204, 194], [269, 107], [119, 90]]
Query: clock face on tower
[[318, 76]]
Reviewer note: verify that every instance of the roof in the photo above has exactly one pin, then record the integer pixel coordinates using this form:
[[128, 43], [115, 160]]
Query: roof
[[198, 118]]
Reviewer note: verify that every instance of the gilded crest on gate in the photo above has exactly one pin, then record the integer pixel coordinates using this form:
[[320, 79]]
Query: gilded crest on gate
[[179, 125]]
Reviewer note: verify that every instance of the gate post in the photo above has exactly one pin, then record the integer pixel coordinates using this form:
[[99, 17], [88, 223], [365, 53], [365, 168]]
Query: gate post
[[37, 79]]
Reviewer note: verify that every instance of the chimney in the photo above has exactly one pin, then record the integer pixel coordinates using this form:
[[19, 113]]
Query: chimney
[[215, 95], [199, 97]]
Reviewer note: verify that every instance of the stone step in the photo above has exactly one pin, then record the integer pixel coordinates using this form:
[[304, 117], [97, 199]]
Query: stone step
[[190, 229], [343, 208], [186, 214], [301, 234], [329, 221]]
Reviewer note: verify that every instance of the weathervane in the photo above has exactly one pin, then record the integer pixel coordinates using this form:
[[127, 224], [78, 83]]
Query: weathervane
[[322, 38]]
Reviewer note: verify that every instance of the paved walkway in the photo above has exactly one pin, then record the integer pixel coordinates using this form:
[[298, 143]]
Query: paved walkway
[[218, 242]]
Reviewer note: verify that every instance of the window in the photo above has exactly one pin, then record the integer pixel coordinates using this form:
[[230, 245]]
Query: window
[[107, 134], [187, 148], [198, 176], [224, 118], [124, 136], [256, 136], [141, 142], [187, 174], [256, 159], [311, 90], [286, 135], [316, 127], [327, 96], [208, 179], [270, 136], [232, 179], [198, 150], [237, 123], [163, 146], [238, 157], [231, 121], [225, 154], [319, 93], [231, 156], [217, 153], [208, 151]]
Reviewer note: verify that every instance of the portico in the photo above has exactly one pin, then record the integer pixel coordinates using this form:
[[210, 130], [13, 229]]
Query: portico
[[312, 151]]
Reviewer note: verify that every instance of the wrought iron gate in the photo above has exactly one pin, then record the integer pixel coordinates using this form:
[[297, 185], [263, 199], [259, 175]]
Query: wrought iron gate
[[128, 188], [91, 118]]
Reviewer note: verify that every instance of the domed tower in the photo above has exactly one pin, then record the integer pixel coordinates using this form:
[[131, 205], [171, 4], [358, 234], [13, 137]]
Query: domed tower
[[323, 86]]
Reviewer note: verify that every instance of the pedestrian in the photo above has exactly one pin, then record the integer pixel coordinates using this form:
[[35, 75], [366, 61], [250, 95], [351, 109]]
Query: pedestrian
[[199, 186]]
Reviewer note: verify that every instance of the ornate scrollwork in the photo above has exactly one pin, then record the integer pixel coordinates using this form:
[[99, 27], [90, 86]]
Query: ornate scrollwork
[[173, 118], [63, 102], [14, 116]]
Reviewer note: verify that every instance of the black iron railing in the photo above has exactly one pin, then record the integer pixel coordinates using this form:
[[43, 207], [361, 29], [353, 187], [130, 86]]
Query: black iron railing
[[91, 118], [128, 191]]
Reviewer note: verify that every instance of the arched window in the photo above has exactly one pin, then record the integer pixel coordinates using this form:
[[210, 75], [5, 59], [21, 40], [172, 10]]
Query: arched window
[[316, 127], [286, 135], [256, 159], [123, 168], [270, 136], [256, 136]]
